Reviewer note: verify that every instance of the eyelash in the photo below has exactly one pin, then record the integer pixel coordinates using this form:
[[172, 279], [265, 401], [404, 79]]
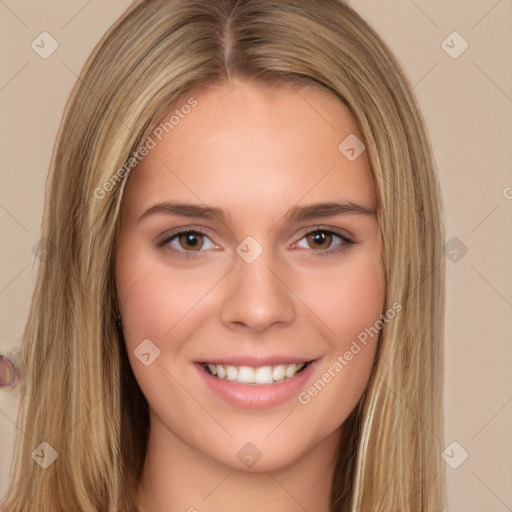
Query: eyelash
[[345, 241]]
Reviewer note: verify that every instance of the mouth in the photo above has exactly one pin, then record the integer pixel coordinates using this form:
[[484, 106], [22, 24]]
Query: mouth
[[260, 375], [256, 381]]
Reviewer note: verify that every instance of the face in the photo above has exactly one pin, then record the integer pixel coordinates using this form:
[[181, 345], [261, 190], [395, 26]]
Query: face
[[247, 265]]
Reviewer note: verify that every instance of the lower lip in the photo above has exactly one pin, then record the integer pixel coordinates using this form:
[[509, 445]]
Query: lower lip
[[257, 396]]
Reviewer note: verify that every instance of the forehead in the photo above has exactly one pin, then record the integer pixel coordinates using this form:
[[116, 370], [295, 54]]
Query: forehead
[[251, 143]]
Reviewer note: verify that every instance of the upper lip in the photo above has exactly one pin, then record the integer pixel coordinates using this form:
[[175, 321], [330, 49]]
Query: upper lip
[[255, 361]]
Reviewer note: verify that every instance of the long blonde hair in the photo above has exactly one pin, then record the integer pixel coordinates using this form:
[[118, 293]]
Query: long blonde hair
[[79, 394]]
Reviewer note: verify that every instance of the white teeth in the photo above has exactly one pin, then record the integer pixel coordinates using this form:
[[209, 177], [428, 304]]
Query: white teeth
[[291, 370], [278, 373], [231, 373], [246, 374], [263, 375], [250, 375], [221, 372]]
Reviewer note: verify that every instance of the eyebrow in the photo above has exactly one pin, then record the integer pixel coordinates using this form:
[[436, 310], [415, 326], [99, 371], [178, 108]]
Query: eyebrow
[[297, 213]]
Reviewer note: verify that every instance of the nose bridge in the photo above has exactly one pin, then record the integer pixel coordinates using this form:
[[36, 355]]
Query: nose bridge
[[256, 295]]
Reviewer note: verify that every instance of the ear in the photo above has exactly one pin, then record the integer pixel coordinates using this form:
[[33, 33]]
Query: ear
[[8, 373]]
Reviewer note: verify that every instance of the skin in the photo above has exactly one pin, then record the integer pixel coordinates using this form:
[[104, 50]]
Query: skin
[[254, 152]]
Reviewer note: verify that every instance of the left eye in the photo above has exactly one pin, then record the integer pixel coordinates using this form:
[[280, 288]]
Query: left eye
[[322, 240]]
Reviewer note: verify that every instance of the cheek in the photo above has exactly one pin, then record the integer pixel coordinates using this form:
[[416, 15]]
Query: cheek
[[351, 304], [348, 299], [154, 299]]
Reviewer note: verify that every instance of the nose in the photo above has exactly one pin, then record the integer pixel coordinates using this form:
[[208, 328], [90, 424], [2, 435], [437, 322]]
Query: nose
[[256, 295]]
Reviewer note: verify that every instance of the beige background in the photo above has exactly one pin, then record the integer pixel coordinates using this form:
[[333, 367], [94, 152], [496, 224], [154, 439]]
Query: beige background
[[467, 103]]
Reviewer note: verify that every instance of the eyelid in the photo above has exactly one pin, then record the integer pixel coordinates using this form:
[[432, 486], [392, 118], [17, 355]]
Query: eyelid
[[304, 231], [165, 238], [342, 233], [345, 242], [163, 241]]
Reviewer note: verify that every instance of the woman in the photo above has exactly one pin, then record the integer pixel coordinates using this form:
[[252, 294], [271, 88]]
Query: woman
[[241, 307]]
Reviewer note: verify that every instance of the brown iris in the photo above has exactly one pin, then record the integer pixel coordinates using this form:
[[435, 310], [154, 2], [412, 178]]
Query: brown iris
[[191, 241], [321, 239]]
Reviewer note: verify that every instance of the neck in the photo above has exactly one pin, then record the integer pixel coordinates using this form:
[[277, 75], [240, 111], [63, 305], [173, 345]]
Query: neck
[[178, 477]]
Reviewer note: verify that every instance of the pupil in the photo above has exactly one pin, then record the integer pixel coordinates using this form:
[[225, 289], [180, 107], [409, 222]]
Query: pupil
[[319, 238], [191, 240]]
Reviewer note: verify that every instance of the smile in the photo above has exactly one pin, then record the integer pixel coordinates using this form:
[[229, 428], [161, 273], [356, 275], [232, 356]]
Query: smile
[[249, 383], [254, 375]]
